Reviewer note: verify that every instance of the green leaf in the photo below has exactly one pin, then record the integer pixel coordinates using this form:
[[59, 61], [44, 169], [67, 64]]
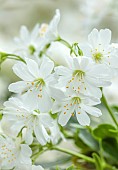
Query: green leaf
[[103, 131], [110, 147], [71, 168], [88, 139], [98, 161]]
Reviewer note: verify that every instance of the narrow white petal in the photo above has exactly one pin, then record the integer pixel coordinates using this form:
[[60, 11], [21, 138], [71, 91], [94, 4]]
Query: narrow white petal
[[46, 67], [83, 118], [18, 87], [92, 110], [64, 118], [21, 70], [32, 67], [105, 37], [93, 38]]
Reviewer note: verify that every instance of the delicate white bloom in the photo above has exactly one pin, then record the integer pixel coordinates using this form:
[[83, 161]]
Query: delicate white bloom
[[13, 153], [40, 36], [36, 82], [25, 115], [28, 42], [72, 103], [99, 48], [84, 76]]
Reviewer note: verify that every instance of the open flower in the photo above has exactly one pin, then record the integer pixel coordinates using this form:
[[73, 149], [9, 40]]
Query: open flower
[[72, 103], [84, 76], [39, 37], [100, 49], [13, 153], [28, 42], [21, 114], [36, 82]]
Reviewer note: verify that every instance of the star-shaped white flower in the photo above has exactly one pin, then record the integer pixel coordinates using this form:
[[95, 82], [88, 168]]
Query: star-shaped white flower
[[100, 49], [33, 42], [28, 42], [13, 153], [72, 103], [85, 76], [36, 83], [20, 114]]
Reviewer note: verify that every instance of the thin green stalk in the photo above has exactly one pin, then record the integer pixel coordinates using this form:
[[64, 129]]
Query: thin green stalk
[[36, 155], [79, 155], [16, 57], [109, 110], [64, 42]]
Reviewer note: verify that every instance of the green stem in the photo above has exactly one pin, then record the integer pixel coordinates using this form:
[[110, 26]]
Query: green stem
[[36, 155], [79, 155], [16, 57], [109, 110], [64, 42]]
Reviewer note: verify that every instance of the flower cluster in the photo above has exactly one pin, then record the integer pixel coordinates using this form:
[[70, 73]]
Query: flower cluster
[[72, 88]]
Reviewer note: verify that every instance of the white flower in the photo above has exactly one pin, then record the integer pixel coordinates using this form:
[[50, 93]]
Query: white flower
[[21, 114], [28, 42], [36, 82], [72, 103], [99, 48], [40, 36], [13, 153], [84, 76]]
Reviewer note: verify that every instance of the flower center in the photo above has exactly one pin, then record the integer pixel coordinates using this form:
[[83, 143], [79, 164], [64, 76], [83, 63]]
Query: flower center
[[97, 57], [76, 100], [39, 82], [31, 49], [36, 112], [79, 73]]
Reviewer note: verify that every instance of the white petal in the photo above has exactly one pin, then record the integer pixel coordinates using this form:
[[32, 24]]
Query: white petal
[[32, 67], [46, 119], [37, 167], [21, 70], [26, 150], [92, 110], [93, 38], [18, 87], [83, 118], [63, 71], [24, 33], [64, 118], [40, 134], [46, 67], [35, 32], [56, 107], [29, 136], [76, 63], [25, 154], [105, 37], [57, 93]]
